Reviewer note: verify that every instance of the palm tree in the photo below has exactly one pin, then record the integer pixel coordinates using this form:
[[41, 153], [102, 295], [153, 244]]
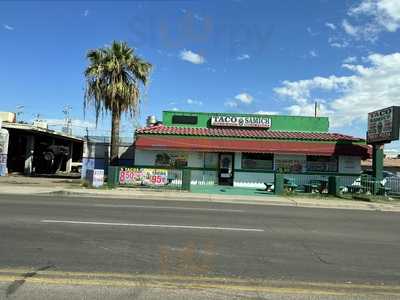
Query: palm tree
[[114, 78]]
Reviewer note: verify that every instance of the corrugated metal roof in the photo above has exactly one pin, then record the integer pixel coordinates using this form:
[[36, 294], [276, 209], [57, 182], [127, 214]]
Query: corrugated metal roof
[[28, 127], [247, 133]]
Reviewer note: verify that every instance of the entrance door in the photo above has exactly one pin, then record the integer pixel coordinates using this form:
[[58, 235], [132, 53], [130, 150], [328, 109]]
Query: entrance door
[[225, 174]]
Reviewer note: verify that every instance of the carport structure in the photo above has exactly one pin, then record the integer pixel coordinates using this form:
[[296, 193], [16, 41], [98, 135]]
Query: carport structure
[[33, 149]]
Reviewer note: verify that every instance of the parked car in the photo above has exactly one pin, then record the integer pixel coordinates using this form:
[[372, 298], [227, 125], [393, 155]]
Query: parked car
[[390, 180], [76, 167]]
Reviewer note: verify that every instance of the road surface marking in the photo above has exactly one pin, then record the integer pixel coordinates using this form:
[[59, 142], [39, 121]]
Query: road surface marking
[[166, 207], [153, 225]]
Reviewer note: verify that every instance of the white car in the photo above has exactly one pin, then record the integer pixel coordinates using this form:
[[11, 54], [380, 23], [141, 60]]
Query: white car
[[390, 180]]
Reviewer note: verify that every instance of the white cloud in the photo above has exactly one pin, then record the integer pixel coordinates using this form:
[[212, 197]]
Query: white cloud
[[263, 112], [349, 29], [330, 25], [384, 13], [349, 98], [192, 57], [313, 53], [244, 98], [8, 27], [371, 17], [350, 60], [175, 109], [74, 123], [194, 102], [243, 57], [198, 18], [210, 69], [86, 13], [337, 42], [311, 32], [231, 103]]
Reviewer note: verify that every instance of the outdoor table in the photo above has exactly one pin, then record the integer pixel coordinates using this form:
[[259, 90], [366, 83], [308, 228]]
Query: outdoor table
[[310, 188], [383, 191], [356, 188], [289, 184], [268, 186], [316, 185], [323, 185]]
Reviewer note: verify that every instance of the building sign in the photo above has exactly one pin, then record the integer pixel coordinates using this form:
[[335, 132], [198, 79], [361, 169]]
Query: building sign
[[235, 121], [384, 125], [4, 137], [140, 176]]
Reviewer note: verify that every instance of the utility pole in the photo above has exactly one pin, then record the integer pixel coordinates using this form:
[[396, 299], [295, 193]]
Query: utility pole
[[37, 117], [19, 110], [67, 129], [316, 109]]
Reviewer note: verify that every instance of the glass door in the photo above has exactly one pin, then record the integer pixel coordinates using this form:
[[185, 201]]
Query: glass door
[[225, 174]]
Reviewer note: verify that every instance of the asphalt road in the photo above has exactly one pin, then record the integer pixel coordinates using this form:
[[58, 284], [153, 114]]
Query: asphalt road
[[197, 240]]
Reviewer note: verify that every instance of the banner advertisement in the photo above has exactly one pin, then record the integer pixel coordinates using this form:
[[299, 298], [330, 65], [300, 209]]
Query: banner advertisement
[[4, 137], [146, 177]]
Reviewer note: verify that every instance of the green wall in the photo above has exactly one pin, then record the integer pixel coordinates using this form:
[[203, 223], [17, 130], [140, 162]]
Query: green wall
[[278, 122]]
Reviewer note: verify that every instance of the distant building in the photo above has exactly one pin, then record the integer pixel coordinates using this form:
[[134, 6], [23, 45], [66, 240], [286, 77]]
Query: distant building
[[34, 149], [96, 153]]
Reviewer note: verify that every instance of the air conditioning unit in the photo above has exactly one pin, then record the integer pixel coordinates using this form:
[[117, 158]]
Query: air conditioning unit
[[7, 117], [41, 124]]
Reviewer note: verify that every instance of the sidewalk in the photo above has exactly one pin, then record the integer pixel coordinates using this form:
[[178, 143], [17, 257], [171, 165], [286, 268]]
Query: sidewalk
[[71, 187]]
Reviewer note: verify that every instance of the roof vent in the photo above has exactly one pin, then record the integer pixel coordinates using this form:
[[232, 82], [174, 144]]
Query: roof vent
[[151, 121]]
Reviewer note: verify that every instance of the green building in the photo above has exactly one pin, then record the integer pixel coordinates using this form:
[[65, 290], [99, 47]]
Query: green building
[[246, 149]]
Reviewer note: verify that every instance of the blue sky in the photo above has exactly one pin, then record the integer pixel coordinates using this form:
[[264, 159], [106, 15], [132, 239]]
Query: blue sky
[[231, 56]]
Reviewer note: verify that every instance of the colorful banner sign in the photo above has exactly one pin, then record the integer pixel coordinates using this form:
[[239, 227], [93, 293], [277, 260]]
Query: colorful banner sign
[[139, 176], [4, 137], [383, 125], [98, 178], [236, 121]]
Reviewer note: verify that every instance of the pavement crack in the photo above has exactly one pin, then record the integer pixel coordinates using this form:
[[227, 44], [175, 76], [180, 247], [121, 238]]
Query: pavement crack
[[315, 254], [310, 249], [16, 284]]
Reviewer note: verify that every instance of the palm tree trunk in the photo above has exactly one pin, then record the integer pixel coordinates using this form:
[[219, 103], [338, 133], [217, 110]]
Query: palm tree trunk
[[115, 121]]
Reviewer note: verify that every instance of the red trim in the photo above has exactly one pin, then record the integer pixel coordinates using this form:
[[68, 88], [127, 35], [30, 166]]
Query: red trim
[[225, 145]]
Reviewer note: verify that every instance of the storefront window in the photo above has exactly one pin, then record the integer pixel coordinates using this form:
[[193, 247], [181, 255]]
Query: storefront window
[[211, 160], [173, 160], [262, 161], [285, 165], [322, 164]]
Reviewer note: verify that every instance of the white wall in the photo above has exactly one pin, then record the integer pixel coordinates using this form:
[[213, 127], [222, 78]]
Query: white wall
[[145, 157], [204, 177], [349, 164], [252, 179]]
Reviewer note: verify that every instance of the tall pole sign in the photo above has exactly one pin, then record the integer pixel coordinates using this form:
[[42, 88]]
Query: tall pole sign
[[383, 127]]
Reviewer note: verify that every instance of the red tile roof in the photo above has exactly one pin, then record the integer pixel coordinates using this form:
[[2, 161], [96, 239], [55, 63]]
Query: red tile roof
[[254, 146], [247, 133]]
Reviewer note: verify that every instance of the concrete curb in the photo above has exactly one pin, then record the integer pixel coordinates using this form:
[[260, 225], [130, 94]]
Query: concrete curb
[[130, 194], [140, 194]]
